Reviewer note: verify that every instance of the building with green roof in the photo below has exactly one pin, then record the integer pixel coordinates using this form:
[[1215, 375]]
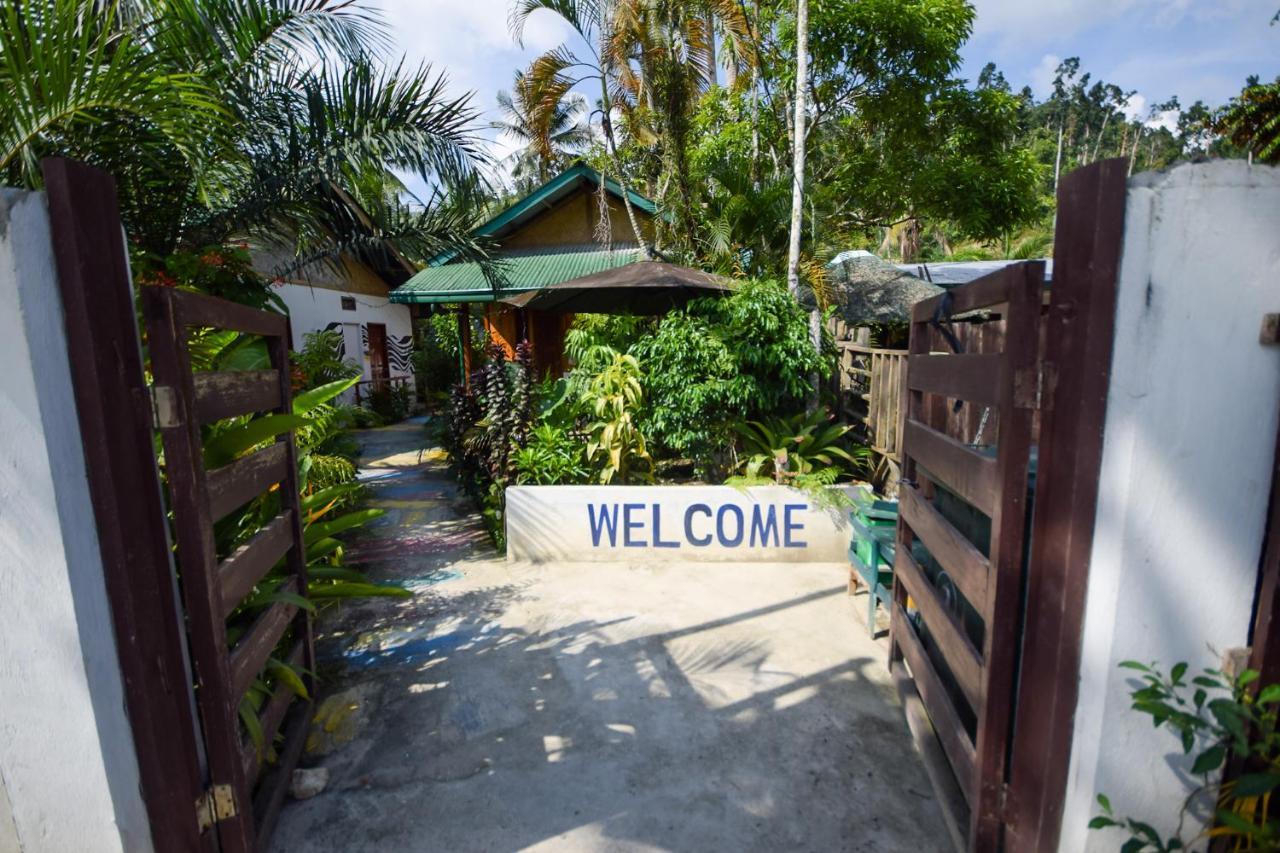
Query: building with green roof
[[556, 234]]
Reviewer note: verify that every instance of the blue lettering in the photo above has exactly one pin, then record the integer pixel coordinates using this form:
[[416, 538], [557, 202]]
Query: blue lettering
[[789, 526], [607, 522], [737, 537], [696, 541], [657, 531], [629, 525], [762, 525]]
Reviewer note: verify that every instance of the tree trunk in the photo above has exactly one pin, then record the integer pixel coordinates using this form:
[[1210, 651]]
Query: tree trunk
[[1057, 161], [798, 146], [607, 125], [713, 80], [1097, 146]]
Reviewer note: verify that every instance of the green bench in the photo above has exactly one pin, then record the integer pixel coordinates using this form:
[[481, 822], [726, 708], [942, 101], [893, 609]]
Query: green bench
[[874, 525]]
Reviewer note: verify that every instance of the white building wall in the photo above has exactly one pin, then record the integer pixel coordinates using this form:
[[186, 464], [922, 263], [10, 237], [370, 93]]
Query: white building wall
[[312, 309], [68, 773], [1186, 468]]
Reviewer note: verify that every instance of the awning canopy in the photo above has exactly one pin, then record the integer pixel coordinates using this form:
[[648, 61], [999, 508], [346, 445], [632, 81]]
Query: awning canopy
[[643, 287]]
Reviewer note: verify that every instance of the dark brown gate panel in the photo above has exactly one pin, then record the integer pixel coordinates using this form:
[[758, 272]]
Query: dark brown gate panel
[[213, 588], [114, 412], [1079, 330], [963, 508]]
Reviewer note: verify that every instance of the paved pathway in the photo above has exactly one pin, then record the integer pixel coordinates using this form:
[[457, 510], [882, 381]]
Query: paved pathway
[[580, 707]]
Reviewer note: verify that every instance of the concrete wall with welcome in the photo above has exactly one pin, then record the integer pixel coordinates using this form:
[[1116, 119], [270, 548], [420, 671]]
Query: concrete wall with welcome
[[68, 773], [1186, 468], [672, 523]]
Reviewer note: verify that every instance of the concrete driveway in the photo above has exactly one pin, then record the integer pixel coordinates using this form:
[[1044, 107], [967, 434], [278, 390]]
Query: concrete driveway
[[589, 707]]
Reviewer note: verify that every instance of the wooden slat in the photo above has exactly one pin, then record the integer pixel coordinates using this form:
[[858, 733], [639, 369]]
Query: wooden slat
[[197, 309], [270, 796], [234, 485], [196, 551], [946, 720], [955, 811], [251, 653], [964, 471], [272, 715], [965, 565], [227, 394], [962, 659], [242, 570], [987, 292], [972, 377]]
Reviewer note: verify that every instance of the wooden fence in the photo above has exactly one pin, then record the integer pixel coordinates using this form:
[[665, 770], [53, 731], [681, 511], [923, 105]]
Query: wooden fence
[[870, 395]]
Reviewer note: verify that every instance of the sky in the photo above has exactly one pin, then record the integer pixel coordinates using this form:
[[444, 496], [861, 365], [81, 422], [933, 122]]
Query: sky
[[1195, 49]]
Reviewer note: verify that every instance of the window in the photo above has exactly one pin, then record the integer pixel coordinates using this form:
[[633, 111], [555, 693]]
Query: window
[[348, 303]]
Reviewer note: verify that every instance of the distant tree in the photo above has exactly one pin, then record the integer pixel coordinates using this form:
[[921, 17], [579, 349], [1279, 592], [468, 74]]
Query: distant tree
[[1252, 120]]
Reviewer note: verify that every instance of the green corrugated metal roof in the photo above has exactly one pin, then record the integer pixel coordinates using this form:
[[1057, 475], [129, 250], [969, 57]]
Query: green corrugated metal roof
[[520, 272]]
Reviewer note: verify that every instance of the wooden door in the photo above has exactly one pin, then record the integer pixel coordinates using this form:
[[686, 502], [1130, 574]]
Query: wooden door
[[959, 570], [379, 363]]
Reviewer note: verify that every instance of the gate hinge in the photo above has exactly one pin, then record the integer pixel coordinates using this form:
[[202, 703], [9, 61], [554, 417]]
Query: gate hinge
[[215, 804], [1033, 387], [164, 407]]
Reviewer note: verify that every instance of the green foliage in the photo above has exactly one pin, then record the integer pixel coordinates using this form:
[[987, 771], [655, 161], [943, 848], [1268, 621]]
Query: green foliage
[[799, 445], [224, 271], [320, 361], [392, 402], [1252, 120], [436, 358], [222, 119], [550, 457], [1214, 716], [613, 396], [722, 361]]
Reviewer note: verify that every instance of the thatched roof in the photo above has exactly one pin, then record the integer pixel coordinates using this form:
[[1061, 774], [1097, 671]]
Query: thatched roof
[[867, 290]]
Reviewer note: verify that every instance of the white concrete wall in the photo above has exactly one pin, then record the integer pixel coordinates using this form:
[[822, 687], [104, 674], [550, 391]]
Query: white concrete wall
[[672, 523], [68, 773], [314, 308], [1186, 467]]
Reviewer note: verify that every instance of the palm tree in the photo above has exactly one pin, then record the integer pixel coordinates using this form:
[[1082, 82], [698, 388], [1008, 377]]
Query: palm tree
[[548, 121], [235, 119], [595, 23], [652, 59]]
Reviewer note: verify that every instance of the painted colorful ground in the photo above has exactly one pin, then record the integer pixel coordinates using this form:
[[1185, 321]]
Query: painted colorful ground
[[595, 707]]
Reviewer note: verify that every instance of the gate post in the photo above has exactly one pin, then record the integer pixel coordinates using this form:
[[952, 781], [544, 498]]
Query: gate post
[[114, 411]]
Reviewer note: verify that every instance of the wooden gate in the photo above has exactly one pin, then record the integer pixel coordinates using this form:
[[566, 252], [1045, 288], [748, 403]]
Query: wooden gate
[[242, 808], [959, 570]]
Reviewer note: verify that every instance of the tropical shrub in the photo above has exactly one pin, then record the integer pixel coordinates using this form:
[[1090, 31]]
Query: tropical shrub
[[1215, 716], [722, 361], [391, 402], [796, 446], [551, 456], [436, 356], [320, 359], [613, 397]]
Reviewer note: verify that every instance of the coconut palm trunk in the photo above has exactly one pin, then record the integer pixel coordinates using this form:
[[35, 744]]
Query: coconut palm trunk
[[798, 146]]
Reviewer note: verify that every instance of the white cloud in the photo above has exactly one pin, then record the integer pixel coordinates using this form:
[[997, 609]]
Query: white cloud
[[1042, 75], [1043, 21]]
